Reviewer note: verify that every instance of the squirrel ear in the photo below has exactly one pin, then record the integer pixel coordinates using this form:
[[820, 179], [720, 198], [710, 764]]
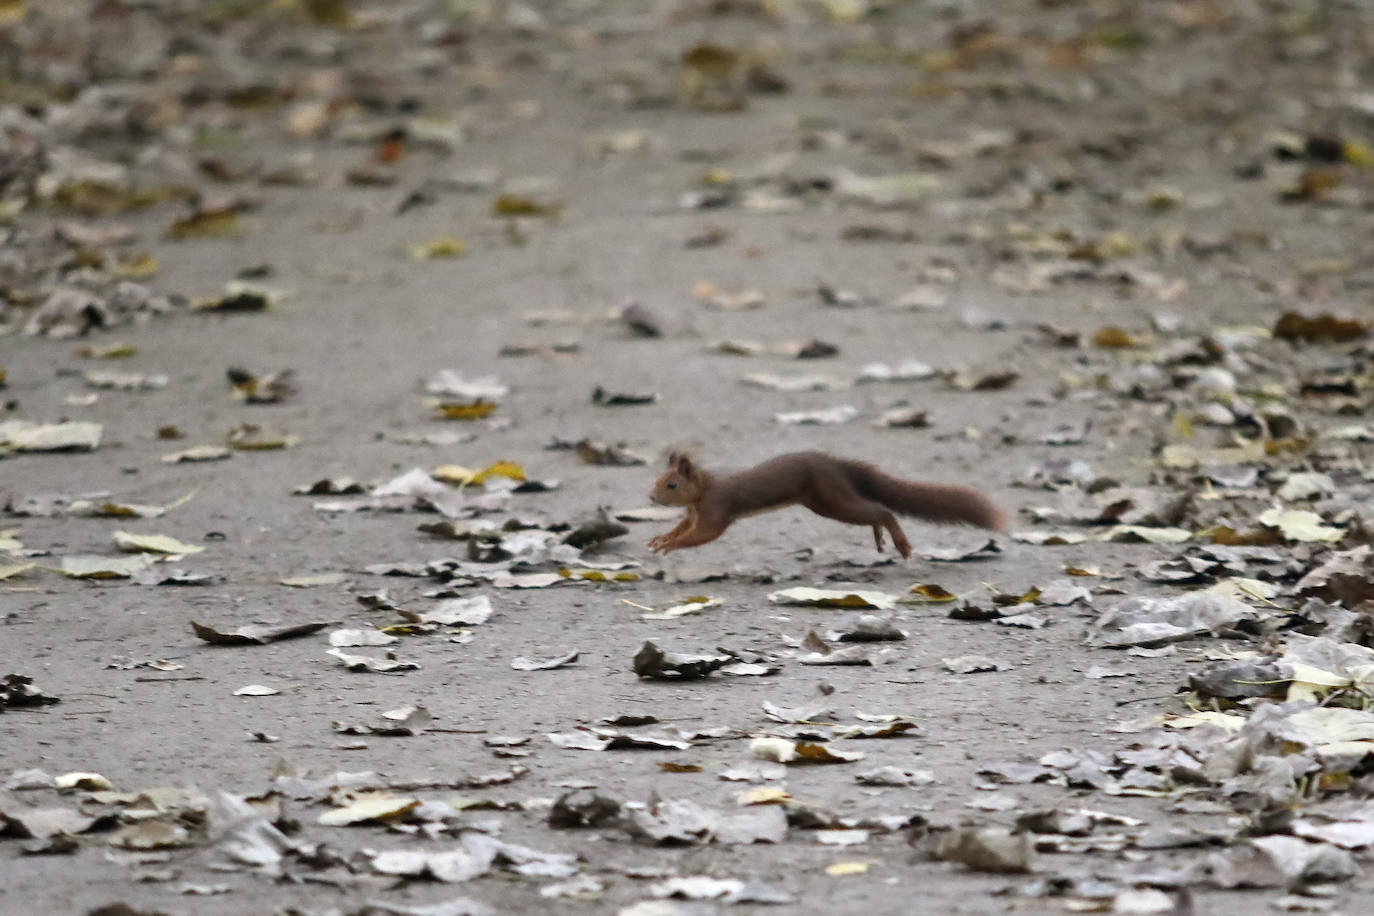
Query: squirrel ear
[[684, 466]]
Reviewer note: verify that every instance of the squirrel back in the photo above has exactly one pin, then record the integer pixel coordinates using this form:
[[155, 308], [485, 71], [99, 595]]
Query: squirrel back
[[932, 502]]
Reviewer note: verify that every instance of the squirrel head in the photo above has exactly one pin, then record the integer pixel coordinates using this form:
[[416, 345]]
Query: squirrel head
[[680, 485]]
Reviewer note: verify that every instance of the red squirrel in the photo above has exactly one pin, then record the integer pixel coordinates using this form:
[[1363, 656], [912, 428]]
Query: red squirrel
[[848, 491]]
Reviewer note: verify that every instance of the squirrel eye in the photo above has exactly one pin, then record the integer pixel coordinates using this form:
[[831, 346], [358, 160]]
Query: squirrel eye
[[672, 485]]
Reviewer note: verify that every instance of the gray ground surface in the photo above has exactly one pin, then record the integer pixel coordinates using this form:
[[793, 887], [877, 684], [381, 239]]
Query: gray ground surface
[[1128, 118]]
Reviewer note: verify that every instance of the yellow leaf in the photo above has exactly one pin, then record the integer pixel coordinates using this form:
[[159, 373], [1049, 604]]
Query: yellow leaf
[[454, 474], [108, 351], [596, 575], [932, 592], [138, 267], [99, 198], [465, 410], [670, 767], [820, 597], [11, 11], [371, 807], [1115, 337], [14, 569], [501, 469], [591, 575], [328, 12], [840, 869], [519, 205], [1357, 153], [763, 795], [204, 224], [445, 246], [460, 476]]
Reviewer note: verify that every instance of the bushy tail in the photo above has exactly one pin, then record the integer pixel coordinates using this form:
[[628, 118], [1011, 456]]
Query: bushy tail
[[932, 502]]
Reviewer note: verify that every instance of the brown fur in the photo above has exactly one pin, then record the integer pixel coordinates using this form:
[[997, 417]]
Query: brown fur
[[848, 491]]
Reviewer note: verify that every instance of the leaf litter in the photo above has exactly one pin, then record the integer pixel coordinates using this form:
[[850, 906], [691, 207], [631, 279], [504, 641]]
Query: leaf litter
[[1235, 417]]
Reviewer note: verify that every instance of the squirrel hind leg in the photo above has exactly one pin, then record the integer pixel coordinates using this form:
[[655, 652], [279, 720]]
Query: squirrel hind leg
[[853, 509], [899, 540]]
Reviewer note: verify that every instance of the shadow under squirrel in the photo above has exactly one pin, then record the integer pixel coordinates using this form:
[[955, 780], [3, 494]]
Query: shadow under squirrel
[[853, 492]]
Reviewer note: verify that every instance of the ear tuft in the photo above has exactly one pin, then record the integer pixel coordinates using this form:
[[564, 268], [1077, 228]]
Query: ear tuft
[[683, 464]]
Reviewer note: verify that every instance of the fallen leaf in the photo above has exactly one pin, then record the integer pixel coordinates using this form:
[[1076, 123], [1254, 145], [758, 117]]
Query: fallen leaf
[[933, 593], [23, 436], [907, 371], [82, 782], [444, 246], [254, 634], [125, 381], [95, 567], [972, 664], [352, 638], [654, 663], [369, 807], [522, 205], [543, 664], [153, 543], [371, 663], [900, 189], [604, 455], [1158, 621], [1300, 525], [1113, 337], [819, 597], [455, 612], [894, 777], [692, 605], [794, 383], [9, 571], [198, 453], [979, 381], [464, 410], [603, 398], [842, 869], [205, 224], [251, 437], [314, 581], [266, 389], [827, 417]]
